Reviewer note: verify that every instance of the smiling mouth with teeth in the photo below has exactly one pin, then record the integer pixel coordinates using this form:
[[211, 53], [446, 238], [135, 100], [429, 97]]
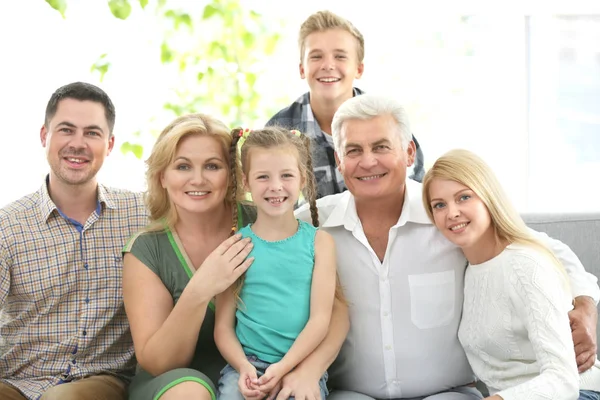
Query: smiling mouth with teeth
[[460, 226], [276, 200], [328, 80], [197, 193], [370, 178], [75, 160]]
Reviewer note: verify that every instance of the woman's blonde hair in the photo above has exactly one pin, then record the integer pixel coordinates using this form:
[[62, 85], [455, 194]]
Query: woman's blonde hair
[[468, 169], [161, 209]]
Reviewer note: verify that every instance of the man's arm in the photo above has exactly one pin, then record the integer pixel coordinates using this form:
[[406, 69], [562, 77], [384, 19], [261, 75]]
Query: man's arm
[[582, 282], [584, 316]]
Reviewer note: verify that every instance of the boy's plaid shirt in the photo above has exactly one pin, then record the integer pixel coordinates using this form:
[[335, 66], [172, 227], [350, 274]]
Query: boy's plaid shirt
[[61, 300], [299, 116]]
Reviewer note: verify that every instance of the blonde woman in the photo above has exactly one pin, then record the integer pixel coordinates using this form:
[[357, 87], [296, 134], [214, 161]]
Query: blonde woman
[[515, 327], [175, 267]]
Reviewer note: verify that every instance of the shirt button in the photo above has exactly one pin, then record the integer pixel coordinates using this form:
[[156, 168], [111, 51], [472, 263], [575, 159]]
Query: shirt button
[[87, 300], [388, 347], [84, 332], [385, 314], [85, 266]]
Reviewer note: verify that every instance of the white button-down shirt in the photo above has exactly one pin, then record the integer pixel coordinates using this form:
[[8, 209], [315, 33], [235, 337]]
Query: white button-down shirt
[[405, 311]]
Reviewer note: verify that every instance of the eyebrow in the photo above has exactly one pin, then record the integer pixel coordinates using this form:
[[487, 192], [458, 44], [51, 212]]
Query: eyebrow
[[375, 143], [72, 125], [380, 141], [188, 160], [266, 172]]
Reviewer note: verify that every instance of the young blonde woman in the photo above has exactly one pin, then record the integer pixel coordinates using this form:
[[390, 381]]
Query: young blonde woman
[[515, 327]]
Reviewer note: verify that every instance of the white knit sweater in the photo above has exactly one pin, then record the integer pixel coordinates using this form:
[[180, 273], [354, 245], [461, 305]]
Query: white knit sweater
[[515, 328]]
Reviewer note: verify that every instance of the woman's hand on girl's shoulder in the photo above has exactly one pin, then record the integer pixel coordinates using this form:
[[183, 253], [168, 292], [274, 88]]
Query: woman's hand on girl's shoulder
[[223, 266]]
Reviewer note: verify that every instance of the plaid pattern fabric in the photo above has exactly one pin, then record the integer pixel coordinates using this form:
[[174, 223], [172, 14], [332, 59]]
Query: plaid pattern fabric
[[299, 116], [60, 291]]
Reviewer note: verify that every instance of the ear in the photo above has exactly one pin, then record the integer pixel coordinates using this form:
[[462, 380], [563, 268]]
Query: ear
[[338, 162], [43, 135], [301, 69], [111, 144], [245, 183], [411, 152], [162, 180], [360, 70]]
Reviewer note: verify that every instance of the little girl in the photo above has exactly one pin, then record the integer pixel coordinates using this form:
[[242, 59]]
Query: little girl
[[515, 326], [267, 323]]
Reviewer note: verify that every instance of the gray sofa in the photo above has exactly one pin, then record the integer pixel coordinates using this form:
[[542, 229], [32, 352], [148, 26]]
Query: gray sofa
[[581, 232]]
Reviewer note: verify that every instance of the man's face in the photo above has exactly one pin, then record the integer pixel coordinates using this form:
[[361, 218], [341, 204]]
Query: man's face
[[371, 158], [330, 64], [77, 140]]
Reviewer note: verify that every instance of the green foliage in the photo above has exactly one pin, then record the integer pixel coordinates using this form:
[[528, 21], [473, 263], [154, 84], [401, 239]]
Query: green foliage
[[221, 64], [58, 5], [216, 54], [101, 66], [136, 149], [121, 8]]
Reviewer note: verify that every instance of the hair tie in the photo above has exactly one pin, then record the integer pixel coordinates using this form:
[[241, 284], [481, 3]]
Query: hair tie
[[243, 134], [296, 132]]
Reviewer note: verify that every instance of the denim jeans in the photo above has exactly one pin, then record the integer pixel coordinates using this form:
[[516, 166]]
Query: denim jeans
[[588, 395], [228, 383]]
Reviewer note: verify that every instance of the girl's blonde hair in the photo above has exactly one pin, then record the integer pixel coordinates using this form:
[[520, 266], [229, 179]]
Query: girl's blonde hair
[[161, 209], [468, 169]]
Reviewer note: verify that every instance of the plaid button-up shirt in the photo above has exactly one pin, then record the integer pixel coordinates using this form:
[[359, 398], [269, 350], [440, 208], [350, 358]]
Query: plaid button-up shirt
[[299, 116], [61, 300]]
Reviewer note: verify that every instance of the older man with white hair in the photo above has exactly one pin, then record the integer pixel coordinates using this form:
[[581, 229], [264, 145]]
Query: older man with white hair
[[402, 279]]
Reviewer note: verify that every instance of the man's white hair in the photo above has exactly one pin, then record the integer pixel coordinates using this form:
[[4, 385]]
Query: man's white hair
[[368, 106]]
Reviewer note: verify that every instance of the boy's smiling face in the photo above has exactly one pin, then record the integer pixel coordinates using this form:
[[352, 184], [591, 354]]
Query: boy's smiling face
[[330, 64]]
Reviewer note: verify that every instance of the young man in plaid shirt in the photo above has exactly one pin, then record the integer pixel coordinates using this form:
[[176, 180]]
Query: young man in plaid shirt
[[63, 329]]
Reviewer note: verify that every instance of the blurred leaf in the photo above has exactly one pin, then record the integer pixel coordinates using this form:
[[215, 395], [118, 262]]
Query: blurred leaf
[[209, 11], [250, 78], [182, 65], [179, 18], [272, 43], [185, 19], [101, 66], [143, 3], [120, 8], [136, 149], [58, 5], [200, 76], [175, 108], [238, 100], [248, 39], [166, 54]]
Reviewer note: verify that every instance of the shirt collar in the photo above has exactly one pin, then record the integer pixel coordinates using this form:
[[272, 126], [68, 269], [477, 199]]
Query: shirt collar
[[344, 212], [47, 205]]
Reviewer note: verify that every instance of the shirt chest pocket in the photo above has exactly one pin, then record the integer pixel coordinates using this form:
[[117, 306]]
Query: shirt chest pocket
[[432, 299]]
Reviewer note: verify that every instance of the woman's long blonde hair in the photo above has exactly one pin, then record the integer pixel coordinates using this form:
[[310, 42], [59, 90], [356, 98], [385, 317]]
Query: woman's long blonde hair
[[468, 169], [161, 209]]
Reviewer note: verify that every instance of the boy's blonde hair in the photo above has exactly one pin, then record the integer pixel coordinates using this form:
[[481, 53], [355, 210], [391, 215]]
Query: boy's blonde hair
[[325, 20]]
